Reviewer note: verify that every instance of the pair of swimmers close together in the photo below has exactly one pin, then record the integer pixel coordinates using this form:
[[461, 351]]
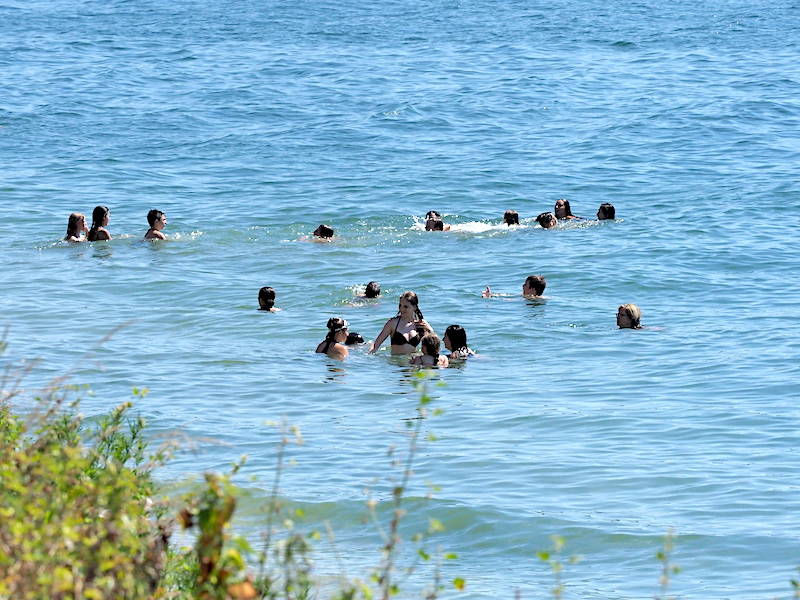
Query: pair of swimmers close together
[[76, 226]]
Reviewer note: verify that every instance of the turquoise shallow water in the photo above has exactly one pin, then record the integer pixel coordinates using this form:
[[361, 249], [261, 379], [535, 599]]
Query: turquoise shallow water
[[251, 124]]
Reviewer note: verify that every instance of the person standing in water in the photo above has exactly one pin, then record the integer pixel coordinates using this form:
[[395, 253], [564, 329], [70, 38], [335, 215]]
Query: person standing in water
[[334, 343], [98, 231], [76, 228], [157, 221], [406, 328]]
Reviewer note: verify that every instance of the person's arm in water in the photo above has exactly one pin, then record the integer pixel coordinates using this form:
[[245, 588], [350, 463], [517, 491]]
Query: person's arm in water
[[154, 234]]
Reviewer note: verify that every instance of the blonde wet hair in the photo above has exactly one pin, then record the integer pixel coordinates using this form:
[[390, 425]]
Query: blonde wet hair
[[634, 314]]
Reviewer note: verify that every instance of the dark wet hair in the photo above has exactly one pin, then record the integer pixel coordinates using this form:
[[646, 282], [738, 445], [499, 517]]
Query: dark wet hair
[[72, 225], [153, 216], [98, 216], [436, 225], [433, 214], [537, 282], [511, 217], [335, 325], [373, 289], [354, 337], [266, 298], [546, 217], [324, 231], [431, 344], [458, 337], [606, 211], [566, 207], [412, 298]]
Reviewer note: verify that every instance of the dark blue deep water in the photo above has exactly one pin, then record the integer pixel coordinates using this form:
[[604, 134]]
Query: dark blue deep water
[[249, 123]]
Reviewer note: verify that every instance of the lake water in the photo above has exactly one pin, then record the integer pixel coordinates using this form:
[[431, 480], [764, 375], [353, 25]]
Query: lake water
[[250, 123]]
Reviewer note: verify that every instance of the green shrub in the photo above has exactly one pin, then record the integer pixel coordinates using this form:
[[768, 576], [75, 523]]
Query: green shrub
[[76, 515]]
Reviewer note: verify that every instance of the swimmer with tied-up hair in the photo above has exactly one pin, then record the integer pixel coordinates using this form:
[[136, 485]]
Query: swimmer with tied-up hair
[[98, 231], [157, 221], [334, 343], [532, 287], [430, 356], [406, 328], [76, 228]]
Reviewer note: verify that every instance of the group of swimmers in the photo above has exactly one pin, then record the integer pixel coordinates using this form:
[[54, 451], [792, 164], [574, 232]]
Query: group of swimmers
[[78, 232], [408, 328], [546, 220]]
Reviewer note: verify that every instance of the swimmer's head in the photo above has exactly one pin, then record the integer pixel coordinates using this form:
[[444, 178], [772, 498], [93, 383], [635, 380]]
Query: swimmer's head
[[409, 303], [75, 224], [562, 209], [547, 220], [337, 330], [373, 289], [431, 344], [353, 337], [511, 217], [266, 298], [534, 285], [434, 225], [455, 338], [433, 214], [323, 231], [606, 212], [100, 217], [629, 316], [153, 216]]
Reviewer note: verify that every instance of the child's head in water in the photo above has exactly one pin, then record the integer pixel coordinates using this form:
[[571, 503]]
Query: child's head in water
[[534, 285], [431, 344], [373, 289], [266, 298], [511, 217], [547, 220], [629, 316], [606, 212], [324, 232], [353, 337]]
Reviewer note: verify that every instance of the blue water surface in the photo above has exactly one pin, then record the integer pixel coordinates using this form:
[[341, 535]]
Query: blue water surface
[[249, 123]]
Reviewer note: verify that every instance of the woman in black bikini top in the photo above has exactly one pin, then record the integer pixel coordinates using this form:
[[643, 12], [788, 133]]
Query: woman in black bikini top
[[404, 328]]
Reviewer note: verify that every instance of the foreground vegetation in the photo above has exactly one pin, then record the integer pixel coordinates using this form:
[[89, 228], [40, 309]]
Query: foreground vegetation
[[80, 517]]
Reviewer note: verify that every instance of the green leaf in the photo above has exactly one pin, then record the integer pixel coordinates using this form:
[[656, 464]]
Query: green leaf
[[543, 555], [424, 555], [459, 584], [451, 556]]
